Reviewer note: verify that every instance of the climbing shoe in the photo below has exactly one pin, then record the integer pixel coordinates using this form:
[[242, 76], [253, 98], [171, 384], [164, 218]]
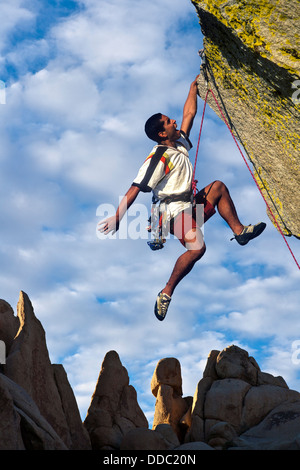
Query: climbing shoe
[[249, 232], [161, 306]]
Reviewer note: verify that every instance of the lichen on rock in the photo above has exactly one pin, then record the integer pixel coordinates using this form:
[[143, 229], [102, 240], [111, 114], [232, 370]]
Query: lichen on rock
[[252, 51]]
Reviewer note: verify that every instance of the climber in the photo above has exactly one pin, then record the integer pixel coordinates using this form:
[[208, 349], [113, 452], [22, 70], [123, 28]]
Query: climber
[[167, 172]]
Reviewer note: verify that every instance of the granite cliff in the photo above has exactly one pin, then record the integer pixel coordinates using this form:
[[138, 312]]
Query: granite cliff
[[235, 405], [252, 52]]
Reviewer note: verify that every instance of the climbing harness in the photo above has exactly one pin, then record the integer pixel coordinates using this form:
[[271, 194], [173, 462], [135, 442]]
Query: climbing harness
[[158, 223], [204, 69]]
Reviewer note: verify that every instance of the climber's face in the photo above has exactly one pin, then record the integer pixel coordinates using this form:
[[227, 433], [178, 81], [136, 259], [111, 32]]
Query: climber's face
[[170, 129]]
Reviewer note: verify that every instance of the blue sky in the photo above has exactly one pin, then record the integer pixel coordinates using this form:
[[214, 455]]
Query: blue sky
[[81, 79]]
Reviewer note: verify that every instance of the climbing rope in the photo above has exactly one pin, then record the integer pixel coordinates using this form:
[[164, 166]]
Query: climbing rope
[[194, 182]]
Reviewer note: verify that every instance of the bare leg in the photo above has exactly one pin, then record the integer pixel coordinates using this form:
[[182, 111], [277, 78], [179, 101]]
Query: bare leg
[[184, 264], [219, 197]]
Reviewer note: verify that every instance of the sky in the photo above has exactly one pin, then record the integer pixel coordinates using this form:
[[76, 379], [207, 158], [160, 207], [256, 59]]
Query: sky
[[81, 78]]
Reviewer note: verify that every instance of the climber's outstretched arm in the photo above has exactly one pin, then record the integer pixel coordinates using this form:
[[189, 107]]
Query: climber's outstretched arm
[[190, 109], [111, 224]]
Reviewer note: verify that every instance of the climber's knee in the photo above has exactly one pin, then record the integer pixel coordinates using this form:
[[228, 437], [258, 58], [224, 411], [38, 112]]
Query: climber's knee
[[215, 191], [194, 242]]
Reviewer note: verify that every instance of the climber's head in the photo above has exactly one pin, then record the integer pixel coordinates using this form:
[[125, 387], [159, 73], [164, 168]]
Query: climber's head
[[161, 128], [154, 126]]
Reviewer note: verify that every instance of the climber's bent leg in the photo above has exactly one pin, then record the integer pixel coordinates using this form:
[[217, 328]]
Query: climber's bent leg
[[218, 196]]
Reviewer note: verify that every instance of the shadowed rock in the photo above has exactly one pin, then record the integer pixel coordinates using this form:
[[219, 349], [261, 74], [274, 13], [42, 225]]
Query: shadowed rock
[[114, 409], [252, 51]]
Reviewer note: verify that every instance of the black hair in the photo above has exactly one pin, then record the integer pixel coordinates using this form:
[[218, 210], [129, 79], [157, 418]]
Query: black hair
[[153, 126]]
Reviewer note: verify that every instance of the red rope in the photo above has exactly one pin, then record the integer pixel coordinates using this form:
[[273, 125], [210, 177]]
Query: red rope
[[194, 182]]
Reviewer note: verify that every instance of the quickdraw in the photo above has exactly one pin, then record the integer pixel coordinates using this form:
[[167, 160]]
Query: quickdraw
[[156, 222]]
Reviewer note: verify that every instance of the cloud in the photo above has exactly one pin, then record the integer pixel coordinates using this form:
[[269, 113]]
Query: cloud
[[107, 38], [16, 16], [68, 98], [72, 139], [260, 301]]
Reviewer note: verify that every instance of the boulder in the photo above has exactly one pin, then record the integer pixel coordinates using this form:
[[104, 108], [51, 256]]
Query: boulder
[[224, 402], [235, 404], [22, 427], [261, 400], [114, 410], [143, 439], [220, 434], [197, 445], [168, 434], [196, 429], [235, 362], [166, 386], [167, 372], [9, 324], [279, 430]]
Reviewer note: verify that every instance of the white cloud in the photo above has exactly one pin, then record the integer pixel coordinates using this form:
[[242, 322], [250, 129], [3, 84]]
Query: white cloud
[[108, 37], [14, 15], [72, 138], [69, 98]]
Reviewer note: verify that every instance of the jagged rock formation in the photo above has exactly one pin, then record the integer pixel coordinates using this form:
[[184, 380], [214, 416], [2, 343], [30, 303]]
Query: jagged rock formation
[[39, 408], [114, 409], [252, 50], [235, 405], [238, 405], [21, 424], [170, 406]]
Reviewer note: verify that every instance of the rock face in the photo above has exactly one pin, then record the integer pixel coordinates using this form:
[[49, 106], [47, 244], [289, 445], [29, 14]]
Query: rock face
[[235, 405], [22, 425], [38, 409], [238, 405], [114, 409], [252, 51], [166, 386]]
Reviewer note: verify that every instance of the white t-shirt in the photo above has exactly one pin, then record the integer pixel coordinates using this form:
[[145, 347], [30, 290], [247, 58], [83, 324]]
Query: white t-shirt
[[167, 171]]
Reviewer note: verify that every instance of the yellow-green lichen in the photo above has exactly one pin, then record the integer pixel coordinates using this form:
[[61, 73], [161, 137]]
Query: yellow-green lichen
[[259, 94], [255, 22], [275, 206]]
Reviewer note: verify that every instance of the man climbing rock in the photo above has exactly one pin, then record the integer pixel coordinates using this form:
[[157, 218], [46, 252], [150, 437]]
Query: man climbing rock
[[167, 172]]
